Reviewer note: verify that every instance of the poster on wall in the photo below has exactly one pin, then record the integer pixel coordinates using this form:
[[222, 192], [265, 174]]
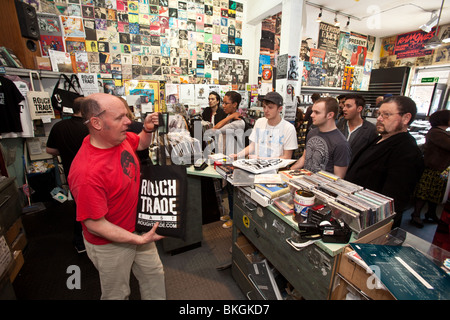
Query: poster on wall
[[317, 56], [267, 73], [293, 68], [233, 71], [263, 59], [282, 66], [50, 33], [411, 44], [88, 83], [315, 76], [357, 45], [387, 46], [147, 88], [347, 81], [328, 37], [72, 26]]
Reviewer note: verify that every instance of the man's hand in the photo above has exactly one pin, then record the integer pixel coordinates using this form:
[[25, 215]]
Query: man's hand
[[151, 236], [151, 122]]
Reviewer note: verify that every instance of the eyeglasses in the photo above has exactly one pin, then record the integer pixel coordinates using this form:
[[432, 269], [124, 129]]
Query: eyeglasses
[[386, 115], [96, 116]]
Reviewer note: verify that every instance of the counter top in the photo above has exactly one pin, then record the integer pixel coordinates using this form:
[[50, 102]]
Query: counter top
[[331, 248], [209, 172]]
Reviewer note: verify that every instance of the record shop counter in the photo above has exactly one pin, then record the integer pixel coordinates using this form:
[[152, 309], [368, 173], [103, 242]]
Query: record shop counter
[[208, 172], [330, 248], [262, 233]]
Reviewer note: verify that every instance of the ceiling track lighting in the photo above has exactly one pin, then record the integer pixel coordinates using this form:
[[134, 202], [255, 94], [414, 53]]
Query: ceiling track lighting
[[336, 21], [319, 17], [434, 42], [348, 23], [426, 27]]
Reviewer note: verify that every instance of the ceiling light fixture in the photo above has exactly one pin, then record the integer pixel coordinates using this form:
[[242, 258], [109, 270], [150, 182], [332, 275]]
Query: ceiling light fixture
[[430, 24], [336, 22], [336, 12], [319, 17], [445, 37], [434, 42]]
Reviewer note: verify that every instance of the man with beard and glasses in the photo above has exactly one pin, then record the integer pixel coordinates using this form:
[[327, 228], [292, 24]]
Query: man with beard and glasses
[[392, 164]]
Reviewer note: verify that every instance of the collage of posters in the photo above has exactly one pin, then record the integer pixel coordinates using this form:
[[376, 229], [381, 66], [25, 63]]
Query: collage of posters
[[407, 49], [166, 40], [338, 60]]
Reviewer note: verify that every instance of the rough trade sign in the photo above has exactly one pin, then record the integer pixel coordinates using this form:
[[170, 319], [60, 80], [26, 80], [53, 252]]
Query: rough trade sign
[[162, 198], [162, 209]]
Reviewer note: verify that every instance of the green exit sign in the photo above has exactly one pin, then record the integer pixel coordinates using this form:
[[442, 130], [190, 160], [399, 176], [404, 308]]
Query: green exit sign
[[429, 80]]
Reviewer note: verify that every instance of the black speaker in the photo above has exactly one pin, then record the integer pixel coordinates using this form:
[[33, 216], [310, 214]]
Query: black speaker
[[27, 20]]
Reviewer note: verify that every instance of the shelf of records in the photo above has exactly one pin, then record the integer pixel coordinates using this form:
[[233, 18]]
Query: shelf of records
[[363, 210], [26, 72]]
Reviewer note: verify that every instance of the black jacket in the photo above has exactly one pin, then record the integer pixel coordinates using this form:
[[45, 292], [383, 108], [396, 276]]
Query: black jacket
[[361, 137], [220, 115], [391, 167]]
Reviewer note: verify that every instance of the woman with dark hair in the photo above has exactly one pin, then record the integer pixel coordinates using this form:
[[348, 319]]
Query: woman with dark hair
[[214, 113], [432, 185]]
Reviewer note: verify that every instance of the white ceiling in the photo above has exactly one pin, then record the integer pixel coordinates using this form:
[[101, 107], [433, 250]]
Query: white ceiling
[[381, 18]]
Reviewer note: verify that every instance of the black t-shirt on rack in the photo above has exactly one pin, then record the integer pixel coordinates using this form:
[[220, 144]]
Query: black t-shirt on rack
[[10, 97]]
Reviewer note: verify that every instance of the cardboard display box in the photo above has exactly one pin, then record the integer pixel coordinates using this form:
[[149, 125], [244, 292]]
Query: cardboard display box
[[15, 236], [18, 263]]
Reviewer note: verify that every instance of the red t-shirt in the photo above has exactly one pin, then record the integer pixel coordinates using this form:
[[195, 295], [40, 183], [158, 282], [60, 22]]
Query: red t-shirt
[[105, 183]]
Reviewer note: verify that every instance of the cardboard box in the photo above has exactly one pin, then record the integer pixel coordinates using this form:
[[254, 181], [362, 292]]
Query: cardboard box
[[14, 231], [5, 256], [18, 263], [20, 242], [352, 277], [358, 278], [15, 236]]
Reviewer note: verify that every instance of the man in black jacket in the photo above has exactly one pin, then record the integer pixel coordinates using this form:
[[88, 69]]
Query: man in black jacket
[[358, 131], [392, 164]]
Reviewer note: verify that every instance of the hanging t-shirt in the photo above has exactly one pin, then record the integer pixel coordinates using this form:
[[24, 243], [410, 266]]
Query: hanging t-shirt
[[25, 115], [10, 97]]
